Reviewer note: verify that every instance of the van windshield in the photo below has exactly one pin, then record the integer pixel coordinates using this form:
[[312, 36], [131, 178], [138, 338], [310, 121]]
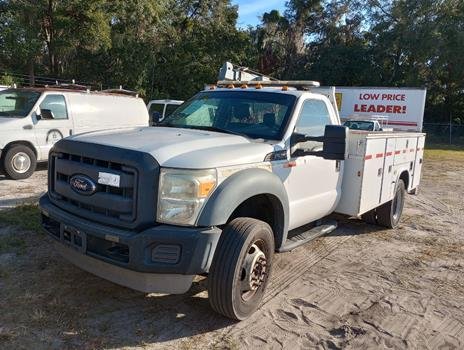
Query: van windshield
[[17, 103], [254, 114]]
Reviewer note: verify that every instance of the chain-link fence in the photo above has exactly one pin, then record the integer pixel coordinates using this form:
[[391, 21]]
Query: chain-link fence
[[452, 134]]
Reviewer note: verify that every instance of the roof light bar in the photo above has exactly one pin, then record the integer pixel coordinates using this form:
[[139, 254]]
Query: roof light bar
[[272, 83]]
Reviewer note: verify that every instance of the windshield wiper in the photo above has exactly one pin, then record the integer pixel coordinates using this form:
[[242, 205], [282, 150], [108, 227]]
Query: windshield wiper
[[214, 128]]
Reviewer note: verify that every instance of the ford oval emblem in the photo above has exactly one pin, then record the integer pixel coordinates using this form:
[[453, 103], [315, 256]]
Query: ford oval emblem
[[83, 185]]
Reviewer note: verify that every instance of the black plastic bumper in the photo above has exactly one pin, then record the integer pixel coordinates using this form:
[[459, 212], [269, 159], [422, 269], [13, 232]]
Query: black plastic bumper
[[160, 249]]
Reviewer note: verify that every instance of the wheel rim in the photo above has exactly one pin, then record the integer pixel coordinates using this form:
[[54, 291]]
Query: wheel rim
[[21, 162], [254, 270], [397, 205]]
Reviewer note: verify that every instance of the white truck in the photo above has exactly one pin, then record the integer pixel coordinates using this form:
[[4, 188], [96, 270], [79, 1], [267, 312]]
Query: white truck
[[220, 186], [33, 119]]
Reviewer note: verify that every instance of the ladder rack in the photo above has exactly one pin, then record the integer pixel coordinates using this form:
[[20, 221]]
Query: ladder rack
[[298, 84]]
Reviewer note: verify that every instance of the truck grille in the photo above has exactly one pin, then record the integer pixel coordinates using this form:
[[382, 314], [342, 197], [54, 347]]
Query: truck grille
[[108, 201], [131, 205]]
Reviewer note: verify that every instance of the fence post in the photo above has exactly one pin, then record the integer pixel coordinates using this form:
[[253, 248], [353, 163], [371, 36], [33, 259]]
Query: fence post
[[451, 131]]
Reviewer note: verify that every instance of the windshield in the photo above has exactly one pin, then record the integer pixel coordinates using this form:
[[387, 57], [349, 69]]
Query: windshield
[[16, 103], [360, 125], [254, 114]]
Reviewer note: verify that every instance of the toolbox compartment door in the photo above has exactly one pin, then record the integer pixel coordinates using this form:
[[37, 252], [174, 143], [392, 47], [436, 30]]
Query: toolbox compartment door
[[388, 180], [419, 159], [372, 174]]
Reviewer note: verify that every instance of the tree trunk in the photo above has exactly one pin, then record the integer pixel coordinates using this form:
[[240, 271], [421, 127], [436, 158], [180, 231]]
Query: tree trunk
[[31, 72]]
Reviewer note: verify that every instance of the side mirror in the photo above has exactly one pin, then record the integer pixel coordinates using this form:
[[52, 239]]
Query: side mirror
[[156, 117], [333, 143], [46, 114]]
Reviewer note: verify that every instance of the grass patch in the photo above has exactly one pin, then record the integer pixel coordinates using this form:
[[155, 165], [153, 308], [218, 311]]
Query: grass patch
[[26, 216], [10, 244], [452, 153]]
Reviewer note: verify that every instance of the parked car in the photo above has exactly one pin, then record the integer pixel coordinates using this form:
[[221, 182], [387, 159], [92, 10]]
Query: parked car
[[159, 109], [234, 175], [33, 119]]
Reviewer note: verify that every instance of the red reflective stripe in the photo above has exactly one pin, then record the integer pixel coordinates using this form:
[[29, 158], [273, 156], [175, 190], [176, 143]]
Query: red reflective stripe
[[405, 150], [379, 155], [402, 123], [290, 164], [368, 157], [388, 154], [412, 150], [397, 152]]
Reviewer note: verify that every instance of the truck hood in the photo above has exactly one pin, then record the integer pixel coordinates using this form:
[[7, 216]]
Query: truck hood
[[183, 148]]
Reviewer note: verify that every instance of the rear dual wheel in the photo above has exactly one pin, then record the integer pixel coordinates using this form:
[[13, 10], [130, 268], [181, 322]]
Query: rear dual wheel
[[388, 214], [241, 268]]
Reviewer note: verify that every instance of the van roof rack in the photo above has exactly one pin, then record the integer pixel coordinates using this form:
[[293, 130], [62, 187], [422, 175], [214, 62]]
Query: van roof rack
[[298, 84], [121, 91], [68, 86]]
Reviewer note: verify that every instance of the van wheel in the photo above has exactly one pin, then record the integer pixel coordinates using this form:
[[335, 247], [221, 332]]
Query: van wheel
[[241, 268], [389, 214], [19, 162]]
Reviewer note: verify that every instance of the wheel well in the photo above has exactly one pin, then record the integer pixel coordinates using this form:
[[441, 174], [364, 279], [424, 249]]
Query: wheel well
[[24, 143], [405, 177], [264, 207]]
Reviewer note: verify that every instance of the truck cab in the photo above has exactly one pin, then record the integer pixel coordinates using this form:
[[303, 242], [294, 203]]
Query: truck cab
[[216, 188]]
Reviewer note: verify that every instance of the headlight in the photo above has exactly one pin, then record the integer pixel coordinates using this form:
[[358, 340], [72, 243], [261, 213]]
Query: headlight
[[182, 194]]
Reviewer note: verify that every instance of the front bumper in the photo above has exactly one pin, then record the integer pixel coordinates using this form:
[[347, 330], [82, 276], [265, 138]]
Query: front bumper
[[158, 259]]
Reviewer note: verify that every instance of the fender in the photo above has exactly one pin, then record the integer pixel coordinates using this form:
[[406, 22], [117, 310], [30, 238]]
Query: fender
[[239, 187]]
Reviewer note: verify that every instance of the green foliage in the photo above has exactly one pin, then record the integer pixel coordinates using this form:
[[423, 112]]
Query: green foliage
[[26, 216], [6, 79], [171, 48]]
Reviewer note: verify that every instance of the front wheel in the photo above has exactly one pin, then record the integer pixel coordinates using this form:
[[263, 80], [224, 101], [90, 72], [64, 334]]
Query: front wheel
[[241, 268], [19, 162]]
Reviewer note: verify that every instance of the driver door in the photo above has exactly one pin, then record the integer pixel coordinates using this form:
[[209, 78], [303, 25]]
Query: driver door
[[52, 127], [313, 183]]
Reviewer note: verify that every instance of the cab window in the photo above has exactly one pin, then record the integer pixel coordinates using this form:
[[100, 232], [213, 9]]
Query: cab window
[[156, 107], [170, 109], [56, 104], [314, 117]]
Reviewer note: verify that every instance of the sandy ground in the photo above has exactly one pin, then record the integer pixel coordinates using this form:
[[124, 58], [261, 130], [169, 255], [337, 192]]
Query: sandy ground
[[13, 192], [360, 288]]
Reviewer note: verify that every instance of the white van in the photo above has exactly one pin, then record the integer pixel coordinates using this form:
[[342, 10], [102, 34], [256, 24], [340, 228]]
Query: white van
[[33, 119], [159, 109]]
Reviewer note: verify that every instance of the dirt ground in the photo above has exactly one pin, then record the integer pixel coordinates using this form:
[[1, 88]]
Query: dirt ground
[[361, 287]]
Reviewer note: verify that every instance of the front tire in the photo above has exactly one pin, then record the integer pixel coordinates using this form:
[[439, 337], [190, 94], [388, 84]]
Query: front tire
[[19, 162], [241, 268]]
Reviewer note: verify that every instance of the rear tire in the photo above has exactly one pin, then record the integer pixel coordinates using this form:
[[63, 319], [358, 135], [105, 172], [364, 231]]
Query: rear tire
[[19, 162], [389, 214], [241, 268], [370, 217]]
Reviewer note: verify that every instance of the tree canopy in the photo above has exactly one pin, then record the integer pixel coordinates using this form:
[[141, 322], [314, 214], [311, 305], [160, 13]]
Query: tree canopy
[[171, 48]]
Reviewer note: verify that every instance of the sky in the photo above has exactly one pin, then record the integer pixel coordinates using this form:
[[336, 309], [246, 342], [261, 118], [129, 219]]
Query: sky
[[250, 11]]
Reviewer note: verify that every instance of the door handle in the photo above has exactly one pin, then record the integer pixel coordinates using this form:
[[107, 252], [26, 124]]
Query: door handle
[[28, 127]]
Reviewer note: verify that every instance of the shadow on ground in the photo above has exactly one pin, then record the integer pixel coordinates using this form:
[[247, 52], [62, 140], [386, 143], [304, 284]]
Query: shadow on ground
[[53, 304]]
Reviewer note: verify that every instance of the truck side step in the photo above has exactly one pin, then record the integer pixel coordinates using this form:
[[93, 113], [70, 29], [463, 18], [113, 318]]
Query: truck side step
[[307, 236]]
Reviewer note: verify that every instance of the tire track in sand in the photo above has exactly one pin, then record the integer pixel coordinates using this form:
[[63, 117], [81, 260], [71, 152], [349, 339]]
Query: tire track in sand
[[297, 263]]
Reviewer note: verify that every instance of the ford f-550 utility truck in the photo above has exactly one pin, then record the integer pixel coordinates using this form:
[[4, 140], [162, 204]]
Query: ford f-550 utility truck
[[219, 186]]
